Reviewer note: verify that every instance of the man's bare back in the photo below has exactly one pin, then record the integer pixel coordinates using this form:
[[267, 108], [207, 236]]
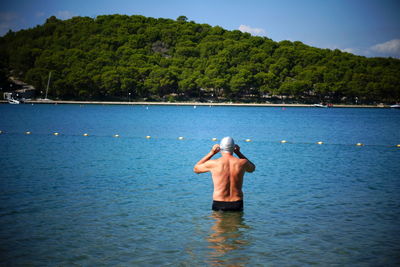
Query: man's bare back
[[227, 173]]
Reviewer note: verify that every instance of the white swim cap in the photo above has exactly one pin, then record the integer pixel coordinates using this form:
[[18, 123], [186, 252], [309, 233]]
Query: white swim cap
[[227, 144]]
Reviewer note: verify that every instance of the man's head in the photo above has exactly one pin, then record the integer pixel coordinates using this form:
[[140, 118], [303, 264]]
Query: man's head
[[227, 145]]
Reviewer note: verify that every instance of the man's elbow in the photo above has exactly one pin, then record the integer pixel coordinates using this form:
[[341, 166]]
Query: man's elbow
[[196, 169], [251, 169]]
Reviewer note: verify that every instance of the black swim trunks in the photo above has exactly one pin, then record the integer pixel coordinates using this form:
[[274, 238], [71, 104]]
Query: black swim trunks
[[227, 205]]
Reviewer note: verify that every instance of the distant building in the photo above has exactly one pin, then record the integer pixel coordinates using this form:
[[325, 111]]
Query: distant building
[[22, 91], [7, 96], [20, 94]]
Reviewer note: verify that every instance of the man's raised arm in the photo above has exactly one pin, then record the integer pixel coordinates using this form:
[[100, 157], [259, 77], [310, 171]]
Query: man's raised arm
[[250, 167], [204, 165]]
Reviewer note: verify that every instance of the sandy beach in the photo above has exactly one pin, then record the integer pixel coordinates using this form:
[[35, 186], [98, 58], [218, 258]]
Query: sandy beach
[[189, 104]]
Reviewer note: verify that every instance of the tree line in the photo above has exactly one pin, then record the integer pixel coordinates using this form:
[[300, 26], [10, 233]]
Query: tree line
[[116, 57]]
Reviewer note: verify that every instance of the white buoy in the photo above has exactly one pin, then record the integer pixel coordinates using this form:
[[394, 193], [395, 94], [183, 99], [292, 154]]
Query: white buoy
[[56, 134], [320, 142], [283, 141], [148, 137], [214, 139], [359, 144], [248, 140], [181, 138], [116, 135], [85, 134], [27, 132]]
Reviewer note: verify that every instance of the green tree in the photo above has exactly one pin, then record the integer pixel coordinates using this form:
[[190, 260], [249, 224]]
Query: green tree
[[182, 18], [110, 56]]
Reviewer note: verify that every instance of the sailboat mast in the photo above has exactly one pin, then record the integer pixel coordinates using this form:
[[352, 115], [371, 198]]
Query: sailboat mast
[[48, 83]]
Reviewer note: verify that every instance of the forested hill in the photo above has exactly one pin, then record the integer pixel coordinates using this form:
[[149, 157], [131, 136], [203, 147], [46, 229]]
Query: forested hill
[[119, 56]]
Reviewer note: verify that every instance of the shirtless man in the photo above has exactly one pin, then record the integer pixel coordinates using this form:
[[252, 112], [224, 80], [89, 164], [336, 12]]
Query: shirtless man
[[227, 174]]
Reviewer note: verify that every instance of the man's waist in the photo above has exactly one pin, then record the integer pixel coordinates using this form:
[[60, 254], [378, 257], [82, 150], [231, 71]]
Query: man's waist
[[227, 199], [223, 201], [227, 205]]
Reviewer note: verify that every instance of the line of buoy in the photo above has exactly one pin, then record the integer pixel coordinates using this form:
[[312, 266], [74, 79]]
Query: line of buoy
[[248, 140]]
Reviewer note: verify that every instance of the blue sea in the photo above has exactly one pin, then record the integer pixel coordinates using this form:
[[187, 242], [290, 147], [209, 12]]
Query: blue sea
[[100, 200]]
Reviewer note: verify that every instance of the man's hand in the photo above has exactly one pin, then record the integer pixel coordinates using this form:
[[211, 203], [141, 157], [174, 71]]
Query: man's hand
[[215, 149], [236, 149]]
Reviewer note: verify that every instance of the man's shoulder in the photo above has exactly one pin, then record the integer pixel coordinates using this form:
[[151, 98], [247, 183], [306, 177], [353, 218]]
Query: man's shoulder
[[239, 161], [243, 161]]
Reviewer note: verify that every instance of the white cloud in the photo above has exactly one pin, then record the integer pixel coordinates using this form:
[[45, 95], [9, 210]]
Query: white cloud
[[390, 48], [65, 14], [4, 27], [7, 16], [349, 50], [253, 31], [7, 21], [387, 49], [39, 14]]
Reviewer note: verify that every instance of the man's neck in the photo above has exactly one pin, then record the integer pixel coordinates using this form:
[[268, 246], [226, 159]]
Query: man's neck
[[226, 154]]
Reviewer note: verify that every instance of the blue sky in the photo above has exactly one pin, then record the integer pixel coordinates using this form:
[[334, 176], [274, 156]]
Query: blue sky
[[363, 27]]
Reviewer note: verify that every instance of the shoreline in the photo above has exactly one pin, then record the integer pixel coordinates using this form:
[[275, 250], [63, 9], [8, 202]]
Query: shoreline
[[189, 104]]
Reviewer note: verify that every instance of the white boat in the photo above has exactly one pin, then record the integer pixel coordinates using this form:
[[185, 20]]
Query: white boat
[[47, 89], [320, 106], [13, 101], [45, 99], [395, 106]]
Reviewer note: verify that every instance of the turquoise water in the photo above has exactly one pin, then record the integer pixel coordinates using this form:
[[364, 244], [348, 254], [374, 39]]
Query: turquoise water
[[131, 201]]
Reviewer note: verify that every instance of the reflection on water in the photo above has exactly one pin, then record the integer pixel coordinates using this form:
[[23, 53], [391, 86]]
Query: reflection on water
[[226, 238]]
